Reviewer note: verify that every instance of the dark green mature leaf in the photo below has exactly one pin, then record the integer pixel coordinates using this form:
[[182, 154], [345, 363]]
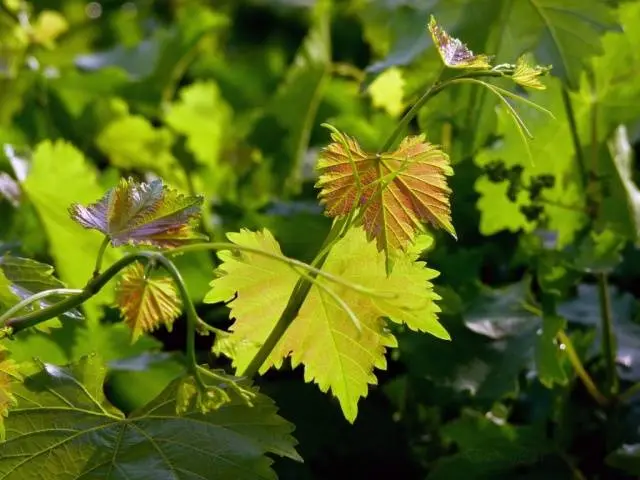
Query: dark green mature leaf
[[489, 448], [585, 309], [492, 347], [290, 115], [63, 425], [626, 458], [548, 351]]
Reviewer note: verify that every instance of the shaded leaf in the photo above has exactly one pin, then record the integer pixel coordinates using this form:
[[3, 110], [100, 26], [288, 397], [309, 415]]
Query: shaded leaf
[[454, 53], [335, 354], [64, 424], [146, 301], [626, 458], [489, 449], [548, 351], [584, 309], [142, 213], [28, 277], [398, 190], [290, 114]]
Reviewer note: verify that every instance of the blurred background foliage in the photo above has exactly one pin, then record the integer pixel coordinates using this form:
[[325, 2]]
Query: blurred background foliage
[[226, 98]]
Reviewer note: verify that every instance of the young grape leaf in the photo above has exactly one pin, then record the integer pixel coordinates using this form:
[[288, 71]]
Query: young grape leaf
[[28, 277], [398, 190], [146, 301], [75, 181], [142, 213], [335, 353], [8, 376], [527, 75], [454, 53], [64, 426]]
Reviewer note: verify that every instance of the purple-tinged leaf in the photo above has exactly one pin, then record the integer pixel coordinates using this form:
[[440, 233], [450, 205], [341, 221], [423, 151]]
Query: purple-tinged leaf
[[142, 213]]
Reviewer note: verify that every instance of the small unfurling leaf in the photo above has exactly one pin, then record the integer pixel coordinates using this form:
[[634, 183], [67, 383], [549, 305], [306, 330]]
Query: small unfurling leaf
[[398, 190], [145, 301], [454, 53], [528, 76], [142, 213]]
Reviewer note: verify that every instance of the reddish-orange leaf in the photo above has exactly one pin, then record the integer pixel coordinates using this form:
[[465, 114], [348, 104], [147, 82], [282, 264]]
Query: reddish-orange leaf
[[399, 191], [145, 301]]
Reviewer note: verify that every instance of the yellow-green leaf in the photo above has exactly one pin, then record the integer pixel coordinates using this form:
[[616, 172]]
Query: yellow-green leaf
[[336, 354], [60, 175], [387, 91], [146, 302], [8, 375]]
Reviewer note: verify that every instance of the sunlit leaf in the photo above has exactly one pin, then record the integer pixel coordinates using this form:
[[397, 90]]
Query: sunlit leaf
[[9, 375], [146, 301], [48, 26], [73, 250], [552, 153], [132, 142], [202, 116], [335, 354], [454, 53], [398, 190], [142, 213], [529, 76], [63, 410], [387, 91]]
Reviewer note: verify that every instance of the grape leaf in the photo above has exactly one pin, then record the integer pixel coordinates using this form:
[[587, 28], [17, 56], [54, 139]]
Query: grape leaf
[[64, 426], [398, 190], [202, 116], [335, 354], [552, 152], [28, 277], [75, 181], [387, 91], [146, 301], [490, 449], [8, 376], [453, 52], [131, 141], [142, 213]]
